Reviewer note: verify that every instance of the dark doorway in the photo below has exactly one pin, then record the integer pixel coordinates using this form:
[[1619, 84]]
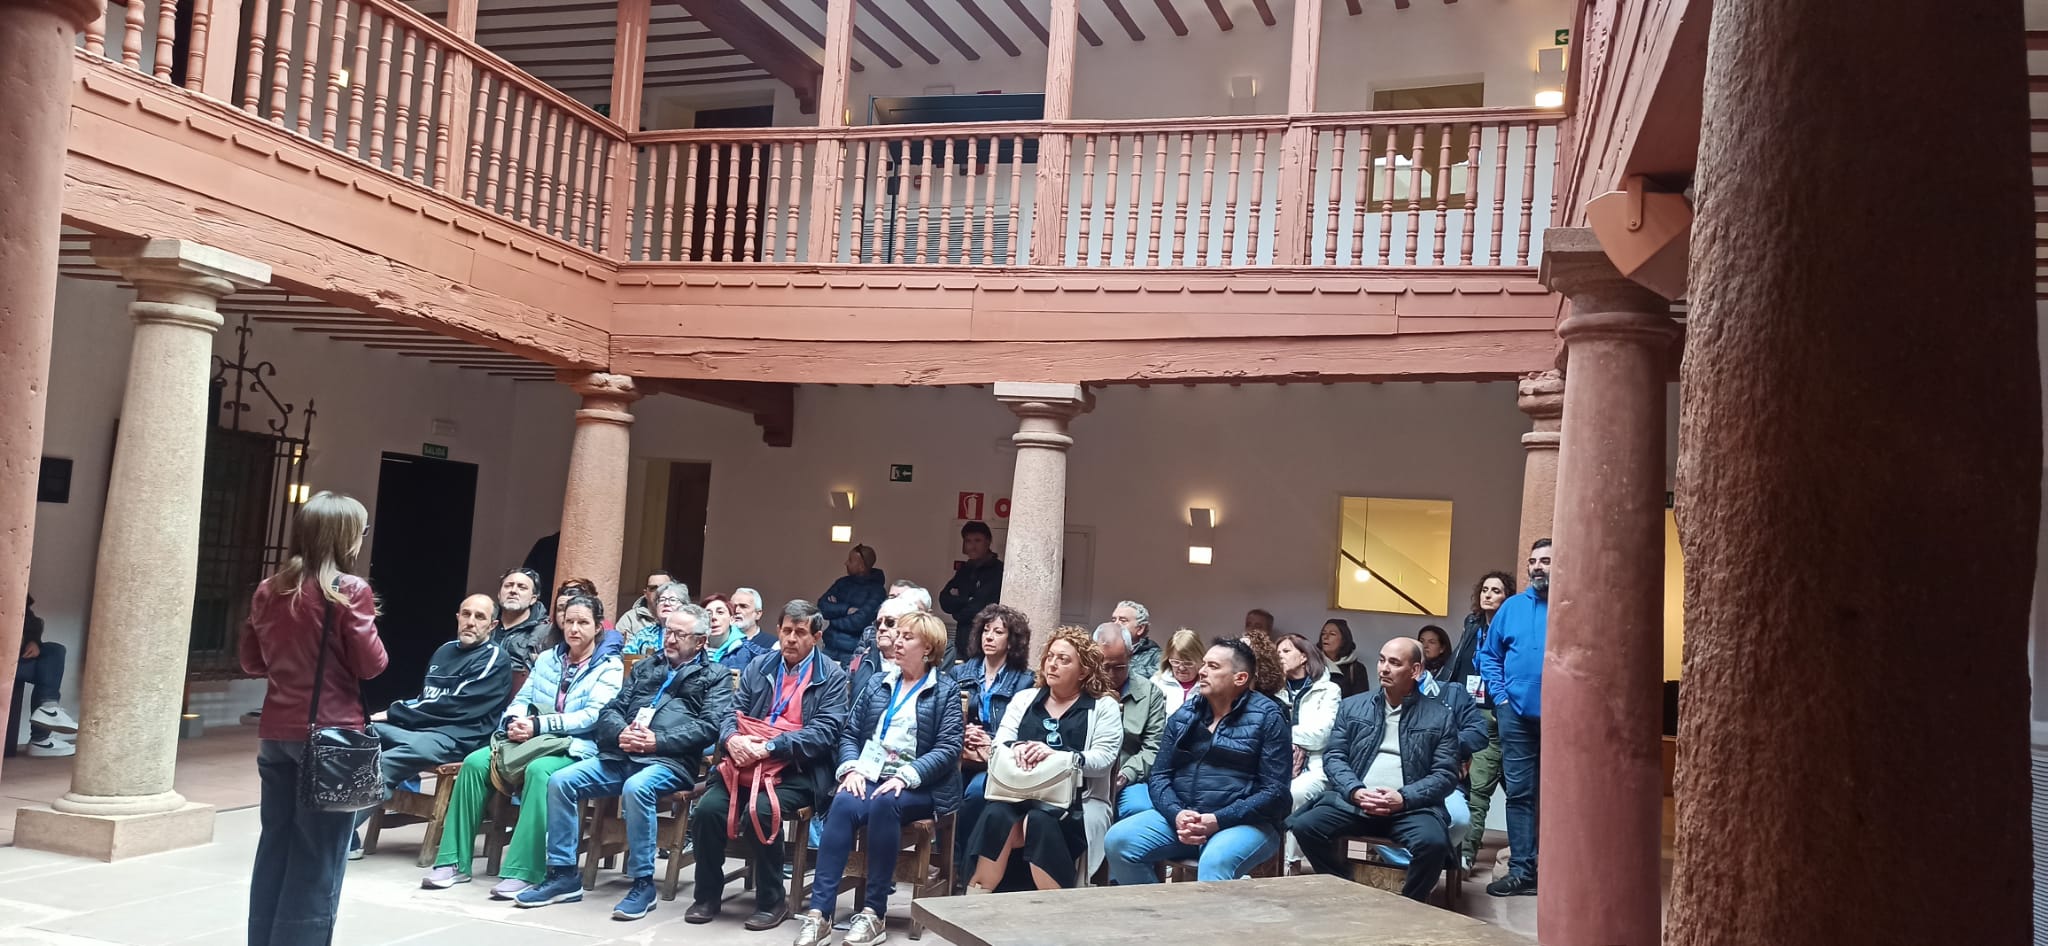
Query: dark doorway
[[720, 193], [419, 564], [689, 502]]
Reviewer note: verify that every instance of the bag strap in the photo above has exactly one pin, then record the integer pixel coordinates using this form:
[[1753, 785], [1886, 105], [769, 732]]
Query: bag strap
[[320, 671]]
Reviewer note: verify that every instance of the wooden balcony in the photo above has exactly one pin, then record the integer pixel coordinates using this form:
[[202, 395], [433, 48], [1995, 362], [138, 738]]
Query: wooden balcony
[[382, 162]]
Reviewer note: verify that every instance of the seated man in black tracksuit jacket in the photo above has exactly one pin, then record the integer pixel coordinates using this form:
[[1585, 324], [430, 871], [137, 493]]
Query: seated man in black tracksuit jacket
[[1391, 761], [650, 740], [468, 681]]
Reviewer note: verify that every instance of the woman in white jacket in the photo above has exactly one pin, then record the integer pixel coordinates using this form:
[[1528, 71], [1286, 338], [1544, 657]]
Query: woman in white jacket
[[1072, 710], [1311, 695]]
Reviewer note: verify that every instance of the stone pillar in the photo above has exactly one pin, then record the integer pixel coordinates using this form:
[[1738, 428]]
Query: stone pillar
[[1858, 482], [35, 82], [1038, 500], [594, 499], [121, 802], [1541, 396], [1601, 780]]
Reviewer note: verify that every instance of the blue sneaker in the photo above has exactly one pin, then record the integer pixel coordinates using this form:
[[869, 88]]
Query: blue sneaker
[[639, 901], [563, 885]]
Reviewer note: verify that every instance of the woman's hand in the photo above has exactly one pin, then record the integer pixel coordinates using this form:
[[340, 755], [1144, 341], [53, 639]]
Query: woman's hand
[[520, 730], [976, 737], [890, 786], [1300, 759], [1029, 754], [854, 784]]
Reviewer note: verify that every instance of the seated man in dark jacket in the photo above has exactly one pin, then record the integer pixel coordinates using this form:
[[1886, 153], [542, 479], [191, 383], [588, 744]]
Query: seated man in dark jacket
[[802, 692], [650, 742], [468, 681], [1392, 759], [1220, 783]]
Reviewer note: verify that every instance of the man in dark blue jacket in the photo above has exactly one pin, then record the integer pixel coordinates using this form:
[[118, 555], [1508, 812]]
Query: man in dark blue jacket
[[849, 606], [1220, 783], [1511, 661], [1391, 762], [794, 687]]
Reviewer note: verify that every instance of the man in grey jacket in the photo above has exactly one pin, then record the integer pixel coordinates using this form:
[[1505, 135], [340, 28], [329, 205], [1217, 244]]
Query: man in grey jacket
[[1392, 759]]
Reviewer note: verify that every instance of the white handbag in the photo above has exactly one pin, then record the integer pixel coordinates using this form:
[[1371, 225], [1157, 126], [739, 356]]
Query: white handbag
[[1052, 781]]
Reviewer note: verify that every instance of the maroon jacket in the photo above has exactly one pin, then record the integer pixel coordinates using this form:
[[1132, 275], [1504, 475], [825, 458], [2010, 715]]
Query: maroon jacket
[[281, 641]]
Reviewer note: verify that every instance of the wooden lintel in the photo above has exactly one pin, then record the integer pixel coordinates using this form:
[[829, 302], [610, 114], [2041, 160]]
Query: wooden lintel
[[772, 405], [767, 47]]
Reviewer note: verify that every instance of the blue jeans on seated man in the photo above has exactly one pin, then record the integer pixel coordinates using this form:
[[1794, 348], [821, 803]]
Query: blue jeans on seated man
[[1460, 812], [1142, 840], [639, 786], [44, 674], [884, 818]]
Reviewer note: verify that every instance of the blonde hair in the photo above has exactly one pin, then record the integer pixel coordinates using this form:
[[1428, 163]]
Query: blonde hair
[[927, 627], [1094, 679], [1186, 645], [327, 535]]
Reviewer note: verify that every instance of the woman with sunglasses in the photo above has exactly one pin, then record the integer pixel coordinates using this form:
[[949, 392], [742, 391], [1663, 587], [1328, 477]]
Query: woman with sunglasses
[[1072, 710]]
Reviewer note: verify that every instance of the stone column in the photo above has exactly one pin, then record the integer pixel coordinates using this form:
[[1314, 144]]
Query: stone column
[[1541, 396], [35, 82], [1858, 482], [121, 802], [594, 499], [1601, 780], [1038, 499]]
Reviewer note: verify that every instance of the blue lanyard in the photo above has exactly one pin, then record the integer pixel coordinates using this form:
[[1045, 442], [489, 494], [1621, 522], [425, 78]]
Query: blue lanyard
[[896, 703], [781, 698], [986, 697], [662, 694]]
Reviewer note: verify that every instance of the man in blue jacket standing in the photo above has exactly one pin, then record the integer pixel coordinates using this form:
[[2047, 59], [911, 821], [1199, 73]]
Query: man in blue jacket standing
[[849, 606], [1511, 660]]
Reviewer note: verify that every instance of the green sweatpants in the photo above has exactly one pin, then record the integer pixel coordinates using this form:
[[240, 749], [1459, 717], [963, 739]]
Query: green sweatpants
[[1485, 777], [526, 858]]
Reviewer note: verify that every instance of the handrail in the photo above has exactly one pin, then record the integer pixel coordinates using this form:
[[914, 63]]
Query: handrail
[[484, 57], [1431, 116]]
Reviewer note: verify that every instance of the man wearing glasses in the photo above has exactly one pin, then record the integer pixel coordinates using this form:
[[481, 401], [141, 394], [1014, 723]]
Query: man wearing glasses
[[1144, 716], [1220, 783]]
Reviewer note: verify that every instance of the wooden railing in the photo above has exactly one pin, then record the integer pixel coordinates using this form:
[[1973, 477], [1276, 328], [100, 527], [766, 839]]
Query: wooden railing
[[1212, 181]]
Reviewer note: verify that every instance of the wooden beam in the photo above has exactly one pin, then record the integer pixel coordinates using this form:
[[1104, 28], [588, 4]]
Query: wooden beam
[[1400, 4], [1222, 16], [944, 29], [1123, 18], [606, 61], [1172, 15], [989, 26], [1087, 32], [803, 26], [1029, 19], [629, 64], [881, 52], [1353, 7], [1304, 57], [743, 31], [1048, 227], [461, 18], [1265, 12], [831, 114], [1293, 214], [773, 406], [889, 23]]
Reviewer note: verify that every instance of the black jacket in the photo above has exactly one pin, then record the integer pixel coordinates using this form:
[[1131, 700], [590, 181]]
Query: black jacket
[[810, 751], [1240, 773], [698, 702], [974, 586], [525, 640], [1429, 748], [1464, 663], [939, 733], [463, 696], [1468, 727]]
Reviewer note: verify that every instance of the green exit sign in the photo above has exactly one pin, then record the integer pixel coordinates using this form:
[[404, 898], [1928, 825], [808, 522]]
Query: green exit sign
[[1561, 38], [433, 451], [899, 472]]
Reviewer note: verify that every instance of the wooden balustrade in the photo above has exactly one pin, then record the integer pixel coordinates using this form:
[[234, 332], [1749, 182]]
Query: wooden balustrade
[[1143, 205]]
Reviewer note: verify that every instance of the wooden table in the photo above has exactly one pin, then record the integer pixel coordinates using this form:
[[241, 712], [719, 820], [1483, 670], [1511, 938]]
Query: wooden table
[[1281, 910]]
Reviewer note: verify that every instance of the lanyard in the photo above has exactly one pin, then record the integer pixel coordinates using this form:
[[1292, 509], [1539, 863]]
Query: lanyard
[[987, 697], [782, 698], [662, 694], [896, 703]]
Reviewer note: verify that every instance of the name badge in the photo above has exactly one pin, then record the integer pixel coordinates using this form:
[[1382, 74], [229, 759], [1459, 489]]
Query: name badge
[[643, 717], [1475, 685]]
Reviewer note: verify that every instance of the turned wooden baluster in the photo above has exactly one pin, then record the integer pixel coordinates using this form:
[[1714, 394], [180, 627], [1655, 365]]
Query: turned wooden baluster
[[252, 63], [1203, 219], [280, 61], [380, 94], [969, 226], [1443, 193], [796, 203], [1498, 238], [358, 77], [401, 129], [578, 202], [750, 220], [1230, 254], [898, 251], [1180, 200], [423, 123], [771, 222], [924, 199], [860, 199], [1528, 194], [1471, 196], [195, 59], [525, 152], [1110, 202], [450, 116], [337, 48], [543, 205], [1085, 254], [946, 205], [1158, 198], [728, 228], [1258, 198], [166, 35], [691, 225], [1415, 195], [96, 38], [1340, 139], [493, 154], [131, 35], [1386, 257], [309, 68], [713, 175], [988, 199], [1129, 257], [653, 245], [1363, 197], [1017, 197], [1556, 159]]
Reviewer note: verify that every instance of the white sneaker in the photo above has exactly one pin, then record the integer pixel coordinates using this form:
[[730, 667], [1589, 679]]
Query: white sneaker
[[51, 716], [51, 746], [867, 930]]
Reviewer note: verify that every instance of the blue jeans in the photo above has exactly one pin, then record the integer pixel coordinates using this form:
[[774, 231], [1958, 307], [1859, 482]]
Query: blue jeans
[[885, 818], [637, 786], [295, 884], [1138, 842], [1521, 738], [44, 673], [1133, 799], [972, 802]]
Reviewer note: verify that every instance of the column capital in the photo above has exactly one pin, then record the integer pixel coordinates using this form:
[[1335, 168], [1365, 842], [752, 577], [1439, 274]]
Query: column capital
[[78, 13], [1029, 398], [157, 266], [1574, 264], [607, 398], [1540, 394]]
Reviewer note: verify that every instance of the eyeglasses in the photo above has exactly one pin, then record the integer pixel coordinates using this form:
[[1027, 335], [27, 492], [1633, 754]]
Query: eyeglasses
[[668, 599], [672, 632], [888, 622], [1117, 668], [1182, 666]]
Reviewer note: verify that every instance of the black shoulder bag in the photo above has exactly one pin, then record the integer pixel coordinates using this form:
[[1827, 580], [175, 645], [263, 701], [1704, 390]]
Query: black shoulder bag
[[340, 770]]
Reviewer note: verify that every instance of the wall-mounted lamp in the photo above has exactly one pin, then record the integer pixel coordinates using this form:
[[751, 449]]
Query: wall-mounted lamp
[[1550, 77], [842, 515], [1244, 95], [1201, 536], [299, 493]]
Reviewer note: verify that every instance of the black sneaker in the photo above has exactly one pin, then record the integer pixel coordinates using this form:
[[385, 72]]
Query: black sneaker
[[1513, 885], [639, 901]]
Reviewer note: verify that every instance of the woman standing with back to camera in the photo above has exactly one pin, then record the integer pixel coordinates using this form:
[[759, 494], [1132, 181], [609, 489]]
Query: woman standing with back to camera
[[311, 603]]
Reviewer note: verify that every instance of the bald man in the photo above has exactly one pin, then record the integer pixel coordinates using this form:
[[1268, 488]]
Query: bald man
[[1391, 762], [468, 682]]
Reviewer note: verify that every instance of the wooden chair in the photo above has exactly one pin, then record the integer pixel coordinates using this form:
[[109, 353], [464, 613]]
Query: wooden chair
[[1368, 868], [925, 861], [404, 807]]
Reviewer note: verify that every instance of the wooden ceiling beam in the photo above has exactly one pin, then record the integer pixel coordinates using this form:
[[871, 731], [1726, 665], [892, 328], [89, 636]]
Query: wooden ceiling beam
[[1400, 4], [1353, 7], [657, 82], [1030, 20], [869, 8], [1223, 16], [773, 405], [989, 26], [803, 26], [1088, 32], [861, 36], [758, 41], [1123, 18], [944, 29], [579, 73], [1172, 15], [1266, 11], [606, 62]]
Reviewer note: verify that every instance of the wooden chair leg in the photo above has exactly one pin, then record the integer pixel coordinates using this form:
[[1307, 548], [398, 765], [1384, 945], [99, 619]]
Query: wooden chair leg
[[444, 793], [924, 868], [371, 829], [678, 835], [596, 817]]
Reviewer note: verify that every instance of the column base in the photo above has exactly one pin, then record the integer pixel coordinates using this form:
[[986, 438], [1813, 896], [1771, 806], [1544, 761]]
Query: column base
[[113, 837]]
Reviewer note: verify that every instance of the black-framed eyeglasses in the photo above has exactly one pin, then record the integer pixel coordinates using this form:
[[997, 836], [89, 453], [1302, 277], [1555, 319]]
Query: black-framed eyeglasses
[[668, 599]]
